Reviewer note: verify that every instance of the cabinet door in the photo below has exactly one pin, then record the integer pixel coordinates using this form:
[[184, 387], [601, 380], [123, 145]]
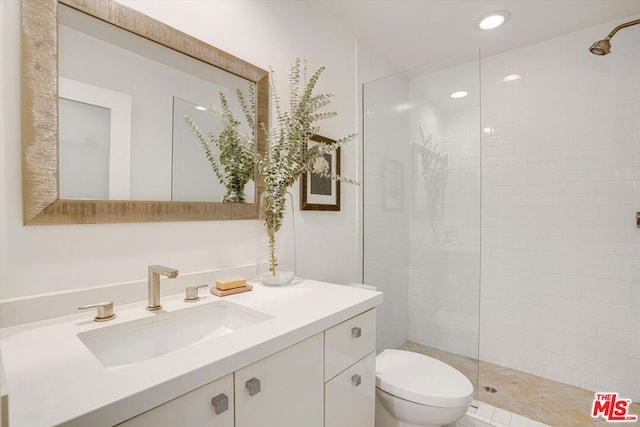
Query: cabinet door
[[350, 396], [193, 409], [285, 389]]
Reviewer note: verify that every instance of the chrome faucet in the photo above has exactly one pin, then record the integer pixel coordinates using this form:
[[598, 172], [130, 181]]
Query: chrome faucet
[[153, 298]]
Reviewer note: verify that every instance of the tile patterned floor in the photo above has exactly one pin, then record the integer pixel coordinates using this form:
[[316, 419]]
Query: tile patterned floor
[[540, 399]]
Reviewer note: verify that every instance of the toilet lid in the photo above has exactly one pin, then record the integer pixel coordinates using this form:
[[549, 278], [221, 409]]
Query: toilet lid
[[422, 379]]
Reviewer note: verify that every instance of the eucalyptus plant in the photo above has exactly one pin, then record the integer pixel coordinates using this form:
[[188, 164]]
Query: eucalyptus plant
[[234, 165], [288, 154]]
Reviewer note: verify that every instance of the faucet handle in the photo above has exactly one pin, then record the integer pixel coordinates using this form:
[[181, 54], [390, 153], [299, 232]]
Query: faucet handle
[[191, 293], [105, 311]]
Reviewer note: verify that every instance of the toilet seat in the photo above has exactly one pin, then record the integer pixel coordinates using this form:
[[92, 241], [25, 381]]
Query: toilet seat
[[422, 379]]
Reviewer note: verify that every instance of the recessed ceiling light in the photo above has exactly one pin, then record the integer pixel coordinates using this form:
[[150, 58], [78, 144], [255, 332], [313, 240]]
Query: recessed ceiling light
[[459, 94], [201, 108], [492, 20]]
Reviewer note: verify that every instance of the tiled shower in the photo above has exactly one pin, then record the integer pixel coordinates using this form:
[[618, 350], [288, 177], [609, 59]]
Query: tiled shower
[[501, 225]]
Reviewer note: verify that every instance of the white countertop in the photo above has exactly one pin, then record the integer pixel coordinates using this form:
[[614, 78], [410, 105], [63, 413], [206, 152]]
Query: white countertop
[[52, 377]]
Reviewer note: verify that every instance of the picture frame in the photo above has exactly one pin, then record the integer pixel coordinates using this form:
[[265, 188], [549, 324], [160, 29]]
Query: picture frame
[[318, 193], [392, 185]]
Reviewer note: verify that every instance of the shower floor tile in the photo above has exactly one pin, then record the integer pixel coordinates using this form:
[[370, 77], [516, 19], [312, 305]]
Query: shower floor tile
[[547, 401]]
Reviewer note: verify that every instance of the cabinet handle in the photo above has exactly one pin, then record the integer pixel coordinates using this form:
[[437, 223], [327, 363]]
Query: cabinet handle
[[356, 332], [253, 385], [356, 380], [220, 403]]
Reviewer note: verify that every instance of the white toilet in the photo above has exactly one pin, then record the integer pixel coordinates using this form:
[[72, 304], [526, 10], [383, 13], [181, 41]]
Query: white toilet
[[414, 390]]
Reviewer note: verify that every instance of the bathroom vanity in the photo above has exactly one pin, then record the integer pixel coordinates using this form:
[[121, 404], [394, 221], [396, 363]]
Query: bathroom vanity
[[300, 355]]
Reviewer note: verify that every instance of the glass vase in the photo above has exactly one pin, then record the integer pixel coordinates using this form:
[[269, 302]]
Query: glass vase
[[232, 196], [276, 263]]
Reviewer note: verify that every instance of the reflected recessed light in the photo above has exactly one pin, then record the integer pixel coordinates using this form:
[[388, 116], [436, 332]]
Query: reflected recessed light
[[459, 94], [492, 20], [511, 78], [403, 107], [487, 130], [201, 108]]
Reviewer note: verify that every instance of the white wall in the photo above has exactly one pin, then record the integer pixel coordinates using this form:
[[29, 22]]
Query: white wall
[[561, 185], [42, 259], [392, 315]]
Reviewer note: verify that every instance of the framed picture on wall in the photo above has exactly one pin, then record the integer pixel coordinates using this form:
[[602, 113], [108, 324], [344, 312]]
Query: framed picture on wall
[[392, 185], [316, 192]]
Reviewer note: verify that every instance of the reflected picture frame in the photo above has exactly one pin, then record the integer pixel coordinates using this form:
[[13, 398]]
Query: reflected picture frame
[[392, 185], [318, 193]]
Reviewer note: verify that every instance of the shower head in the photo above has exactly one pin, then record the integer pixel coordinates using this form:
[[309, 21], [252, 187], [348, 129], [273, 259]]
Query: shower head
[[603, 47]]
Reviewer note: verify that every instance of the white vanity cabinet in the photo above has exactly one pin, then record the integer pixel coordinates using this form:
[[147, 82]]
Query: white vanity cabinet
[[327, 380], [210, 405], [350, 372], [283, 390], [286, 389]]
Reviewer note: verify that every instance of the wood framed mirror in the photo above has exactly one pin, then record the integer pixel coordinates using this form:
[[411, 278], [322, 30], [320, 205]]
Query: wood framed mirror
[[42, 201]]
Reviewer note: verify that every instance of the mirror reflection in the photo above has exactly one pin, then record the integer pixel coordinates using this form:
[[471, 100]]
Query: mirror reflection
[[195, 175], [84, 150], [122, 103], [94, 134]]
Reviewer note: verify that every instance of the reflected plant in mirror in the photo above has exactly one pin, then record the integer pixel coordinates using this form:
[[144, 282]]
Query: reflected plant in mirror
[[231, 152]]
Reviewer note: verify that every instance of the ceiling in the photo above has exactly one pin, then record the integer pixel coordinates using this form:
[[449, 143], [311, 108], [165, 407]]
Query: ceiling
[[410, 33]]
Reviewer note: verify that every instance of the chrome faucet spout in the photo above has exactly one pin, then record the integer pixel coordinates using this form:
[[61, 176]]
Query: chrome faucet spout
[[153, 285]]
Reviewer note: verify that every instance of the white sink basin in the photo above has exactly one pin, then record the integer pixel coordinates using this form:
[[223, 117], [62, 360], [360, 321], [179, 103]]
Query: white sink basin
[[163, 333]]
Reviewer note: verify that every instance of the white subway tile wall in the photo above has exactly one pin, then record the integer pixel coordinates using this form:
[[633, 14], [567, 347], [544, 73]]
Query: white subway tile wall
[[561, 185]]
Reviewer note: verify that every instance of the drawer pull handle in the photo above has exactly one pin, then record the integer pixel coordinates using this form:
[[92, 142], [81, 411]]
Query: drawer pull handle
[[253, 385], [356, 332], [356, 380], [220, 402]]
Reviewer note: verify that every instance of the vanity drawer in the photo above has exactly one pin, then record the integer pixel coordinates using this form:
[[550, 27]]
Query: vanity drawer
[[349, 342]]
